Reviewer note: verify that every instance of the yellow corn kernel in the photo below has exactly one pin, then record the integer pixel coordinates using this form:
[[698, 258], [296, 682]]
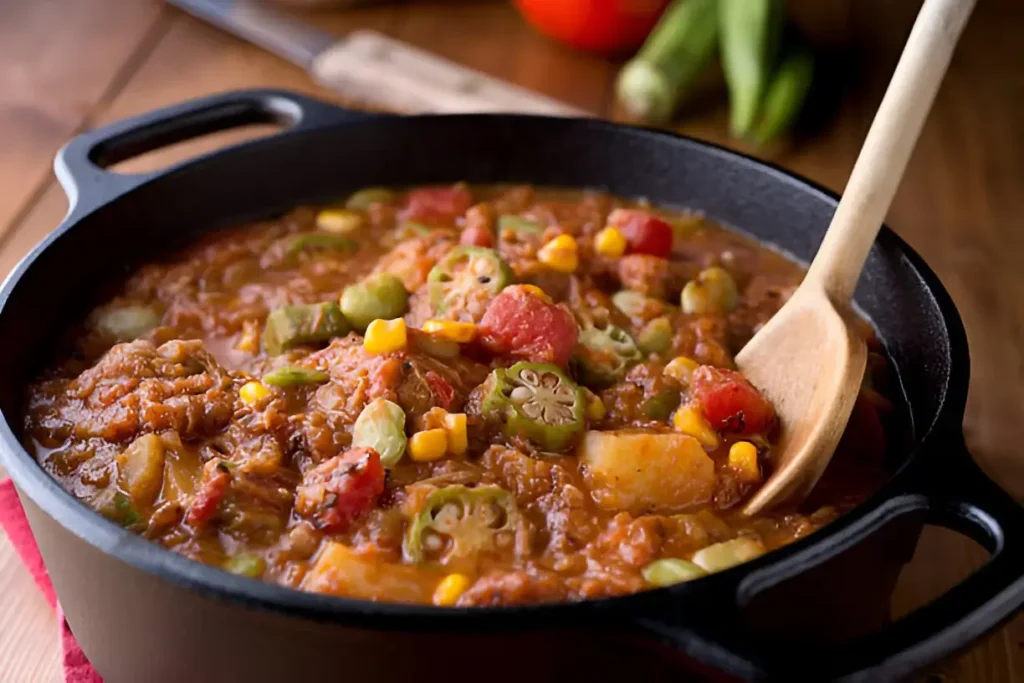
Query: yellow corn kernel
[[743, 461], [458, 440], [339, 221], [595, 407], [680, 369], [253, 392], [449, 589], [538, 292], [561, 254], [610, 242], [428, 445], [386, 336], [690, 422], [451, 330]]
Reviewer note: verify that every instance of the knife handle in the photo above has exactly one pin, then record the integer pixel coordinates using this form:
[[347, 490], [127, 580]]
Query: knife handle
[[396, 76]]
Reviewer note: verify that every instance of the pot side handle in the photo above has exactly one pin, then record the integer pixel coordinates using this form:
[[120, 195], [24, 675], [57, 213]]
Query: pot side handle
[[82, 164], [960, 497], [946, 489]]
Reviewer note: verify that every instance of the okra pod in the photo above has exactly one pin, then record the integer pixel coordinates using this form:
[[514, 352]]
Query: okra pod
[[750, 32], [785, 97], [652, 84]]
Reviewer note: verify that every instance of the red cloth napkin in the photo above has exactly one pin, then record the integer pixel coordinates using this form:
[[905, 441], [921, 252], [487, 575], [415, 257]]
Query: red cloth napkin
[[77, 668]]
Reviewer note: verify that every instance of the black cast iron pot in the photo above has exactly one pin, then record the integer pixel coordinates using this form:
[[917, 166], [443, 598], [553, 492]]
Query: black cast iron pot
[[814, 610]]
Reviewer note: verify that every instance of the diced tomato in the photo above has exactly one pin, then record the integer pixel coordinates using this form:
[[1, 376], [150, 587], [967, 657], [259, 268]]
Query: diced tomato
[[477, 236], [520, 324], [731, 403], [644, 233], [443, 392], [436, 205], [337, 491], [216, 481]]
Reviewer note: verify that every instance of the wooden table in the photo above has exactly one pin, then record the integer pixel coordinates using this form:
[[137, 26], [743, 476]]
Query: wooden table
[[67, 65]]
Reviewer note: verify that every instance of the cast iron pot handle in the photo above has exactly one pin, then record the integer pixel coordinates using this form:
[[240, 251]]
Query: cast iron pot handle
[[952, 492], [957, 495], [81, 165]]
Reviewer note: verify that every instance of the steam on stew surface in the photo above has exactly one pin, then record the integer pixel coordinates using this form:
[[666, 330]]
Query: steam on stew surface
[[448, 395]]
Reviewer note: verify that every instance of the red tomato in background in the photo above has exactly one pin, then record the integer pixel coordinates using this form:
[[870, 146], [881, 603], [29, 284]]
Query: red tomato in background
[[602, 26]]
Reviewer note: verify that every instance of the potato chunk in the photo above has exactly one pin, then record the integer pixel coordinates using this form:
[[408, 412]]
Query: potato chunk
[[182, 471], [341, 570], [140, 469], [641, 471]]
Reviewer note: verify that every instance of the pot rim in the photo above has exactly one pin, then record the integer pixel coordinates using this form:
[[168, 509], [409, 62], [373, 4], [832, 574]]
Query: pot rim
[[152, 558]]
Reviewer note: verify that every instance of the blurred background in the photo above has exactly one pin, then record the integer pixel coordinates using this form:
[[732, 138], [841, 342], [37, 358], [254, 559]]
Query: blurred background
[[821, 68]]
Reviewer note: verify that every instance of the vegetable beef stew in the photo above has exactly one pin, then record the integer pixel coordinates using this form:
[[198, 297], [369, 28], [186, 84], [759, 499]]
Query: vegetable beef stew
[[446, 395]]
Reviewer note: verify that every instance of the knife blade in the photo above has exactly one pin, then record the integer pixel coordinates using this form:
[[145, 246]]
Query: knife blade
[[373, 67]]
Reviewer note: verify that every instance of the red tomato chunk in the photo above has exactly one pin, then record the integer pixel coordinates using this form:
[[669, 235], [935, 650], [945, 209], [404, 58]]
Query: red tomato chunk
[[731, 403], [216, 481], [437, 205], [644, 233], [522, 325], [337, 491]]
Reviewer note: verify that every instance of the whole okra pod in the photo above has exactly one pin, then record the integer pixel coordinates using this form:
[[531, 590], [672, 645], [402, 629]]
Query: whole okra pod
[[785, 97], [750, 33]]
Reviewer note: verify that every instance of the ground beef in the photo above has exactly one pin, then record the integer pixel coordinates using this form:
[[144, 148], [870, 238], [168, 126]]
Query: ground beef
[[550, 489], [654, 276], [636, 540], [642, 399], [509, 588], [415, 381], [411, 260], [706, 339], [481, 218], [139, 387]]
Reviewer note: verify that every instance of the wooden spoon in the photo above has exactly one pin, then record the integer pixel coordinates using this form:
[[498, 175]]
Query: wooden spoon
[[808, 359]]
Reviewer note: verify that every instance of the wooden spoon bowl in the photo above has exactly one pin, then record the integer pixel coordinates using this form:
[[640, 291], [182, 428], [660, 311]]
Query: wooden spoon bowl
[[807, 333]]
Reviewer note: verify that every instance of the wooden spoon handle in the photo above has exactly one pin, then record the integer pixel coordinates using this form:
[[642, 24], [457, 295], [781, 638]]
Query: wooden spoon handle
[[885, 153]]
